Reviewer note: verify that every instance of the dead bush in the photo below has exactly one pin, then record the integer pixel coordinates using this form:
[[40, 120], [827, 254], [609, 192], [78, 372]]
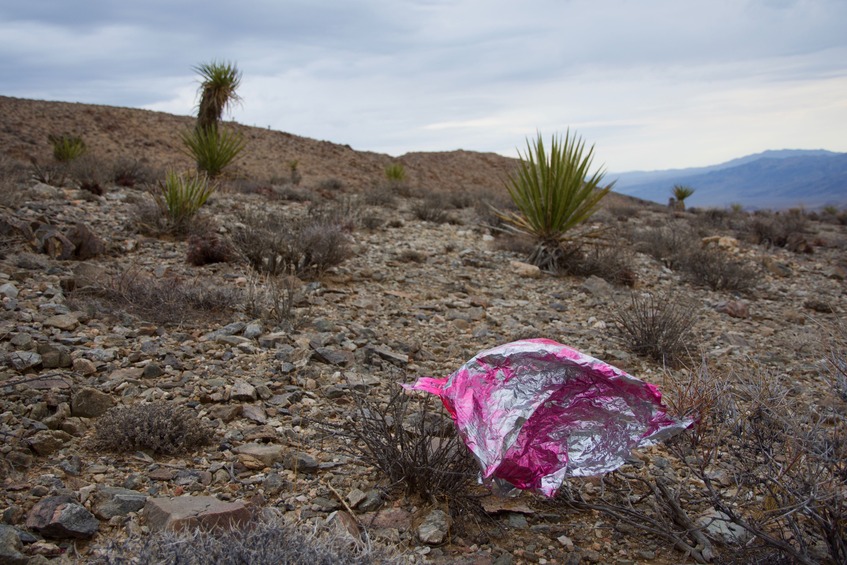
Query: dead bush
[[276, 299], [164, 300], [265, 540], [667, 244], [717, 270], [159, 427], [305, 247], [208, 248], [131, 173], [773, 464], [611, 262], [780, 229], [87, 173], [432, 208], [658, 327], [412, 443]]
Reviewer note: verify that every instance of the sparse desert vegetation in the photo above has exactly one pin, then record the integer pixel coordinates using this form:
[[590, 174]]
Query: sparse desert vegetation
[[163, 342]]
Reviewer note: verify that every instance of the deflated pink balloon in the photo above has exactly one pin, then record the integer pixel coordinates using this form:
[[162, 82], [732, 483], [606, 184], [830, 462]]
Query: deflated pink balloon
[[535, 411]]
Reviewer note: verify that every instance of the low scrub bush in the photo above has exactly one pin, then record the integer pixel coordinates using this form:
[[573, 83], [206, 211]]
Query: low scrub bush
[[67, 147], [158, 427], [87, 173], [302, 247], [432, 208], [785, 459], [667, 244], [610, 261], [165, 300], [780, 229], [717, 270], [208, 248], [278, 300], [412, 443], [263, 541], [130, 173], [658, 327]]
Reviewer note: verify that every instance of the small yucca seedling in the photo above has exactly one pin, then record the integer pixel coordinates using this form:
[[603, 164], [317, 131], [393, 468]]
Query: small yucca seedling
[[181, 196], [66, 147], [212, 148], [395, 172]]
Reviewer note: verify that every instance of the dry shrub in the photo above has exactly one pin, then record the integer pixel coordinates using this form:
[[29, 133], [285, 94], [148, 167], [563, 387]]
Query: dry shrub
[[780, 229], [717, 270], [87, 173], [432, 208], [266, 540], [658, 327], [611, 262], [667, 244], [208, 248], [276, 299], [772, 463], [160, 428], [131, 173], [164, 300], [411, 443], [302, 247]]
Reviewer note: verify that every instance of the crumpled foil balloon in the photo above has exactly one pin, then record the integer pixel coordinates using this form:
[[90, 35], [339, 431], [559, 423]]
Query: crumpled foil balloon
[[535, 411]]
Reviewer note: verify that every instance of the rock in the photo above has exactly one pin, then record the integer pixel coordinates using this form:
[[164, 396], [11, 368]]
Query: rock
[[60, 517], [84, 366], [9, 290], [300, 462], [152, 371], [90, 403], [388, 355], [86, 242], [115, 501], [252, 330], [356, 497], [254, 412], [265, 453], [243, 391], [273, 484], [65, 322], [776, 268], [717, 524], [395, 518], [331, 356], [23, 361], [53, 357], [525, 270], [723, 242], [373, 501], [820, 306], [734, 309], [597, 286], [10, 547], [190, 512], [47, 442], [434, 528], [87, 274], [226, 412], [53, 243]]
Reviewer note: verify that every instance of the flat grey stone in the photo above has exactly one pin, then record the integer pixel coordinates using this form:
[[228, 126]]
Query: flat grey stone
[[190, 512]]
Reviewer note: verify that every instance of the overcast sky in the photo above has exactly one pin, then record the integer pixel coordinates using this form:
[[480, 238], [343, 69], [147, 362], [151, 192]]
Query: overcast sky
[[653, 84]]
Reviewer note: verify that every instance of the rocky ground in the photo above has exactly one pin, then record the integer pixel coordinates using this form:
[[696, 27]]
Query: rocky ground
[[414, 298]]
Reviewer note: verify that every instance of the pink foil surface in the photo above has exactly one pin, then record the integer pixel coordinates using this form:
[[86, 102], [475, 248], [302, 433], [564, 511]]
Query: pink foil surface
[[535, 411]]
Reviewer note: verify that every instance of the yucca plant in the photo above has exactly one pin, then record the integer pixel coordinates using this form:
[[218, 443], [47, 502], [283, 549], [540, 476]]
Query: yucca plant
[[181, 196], [681, 192], [219, 82], [395, 173], [554, 194], [213, 148], [66, 147]]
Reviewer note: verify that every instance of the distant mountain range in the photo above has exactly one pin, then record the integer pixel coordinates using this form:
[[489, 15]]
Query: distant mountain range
[[773, 179]]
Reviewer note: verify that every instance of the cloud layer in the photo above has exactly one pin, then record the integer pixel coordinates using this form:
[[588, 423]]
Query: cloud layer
[[654, 83]]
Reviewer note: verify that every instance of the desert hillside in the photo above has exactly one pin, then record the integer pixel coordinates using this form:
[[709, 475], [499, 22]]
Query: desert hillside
[[241, 366]]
